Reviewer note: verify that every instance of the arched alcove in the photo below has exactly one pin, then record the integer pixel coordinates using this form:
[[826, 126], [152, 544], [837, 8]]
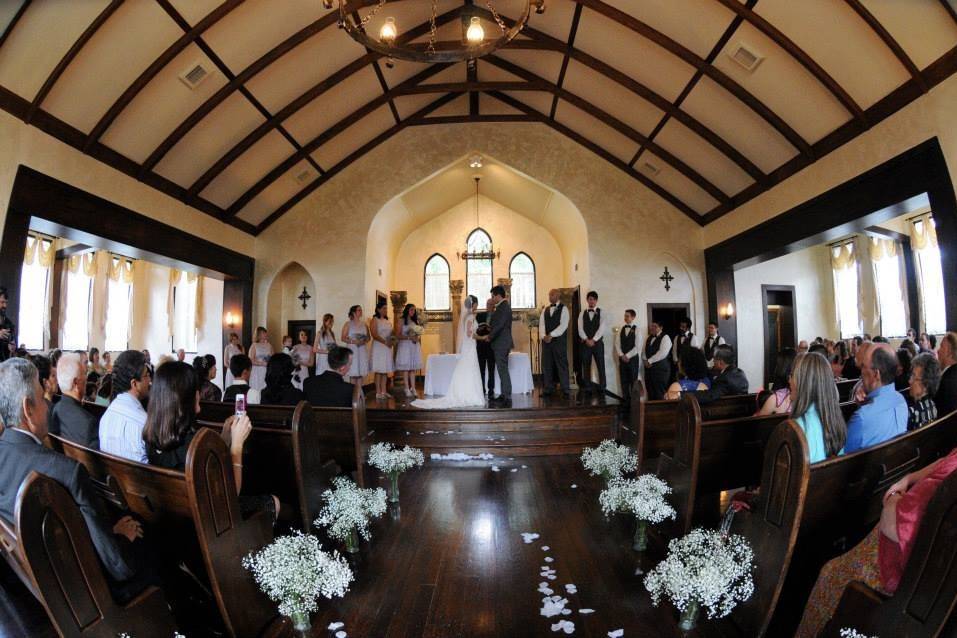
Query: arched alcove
[[284, 304]]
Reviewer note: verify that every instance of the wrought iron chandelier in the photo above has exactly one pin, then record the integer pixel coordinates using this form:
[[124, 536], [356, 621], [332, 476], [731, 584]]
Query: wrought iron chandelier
[[474, 43], [477, 254]]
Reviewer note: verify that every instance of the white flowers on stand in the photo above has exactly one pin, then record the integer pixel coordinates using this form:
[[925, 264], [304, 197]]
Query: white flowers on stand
[[609, 460], [642, 497], [348, 510], [704, 569], [294, 572], [849, 632], [393, 461]]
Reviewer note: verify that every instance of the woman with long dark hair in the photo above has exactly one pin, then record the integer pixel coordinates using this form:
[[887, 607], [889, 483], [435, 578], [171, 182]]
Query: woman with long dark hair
[[259, 353], [325, 340], [355, 335], [380, 328], [205, 367], [779, 401], [303, 356], [408, 353], [279, 385]]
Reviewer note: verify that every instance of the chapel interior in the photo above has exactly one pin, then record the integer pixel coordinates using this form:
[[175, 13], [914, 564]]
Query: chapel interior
[[443, 318]]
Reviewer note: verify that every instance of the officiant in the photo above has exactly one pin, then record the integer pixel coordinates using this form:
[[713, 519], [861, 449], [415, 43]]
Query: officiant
[[555, 345]]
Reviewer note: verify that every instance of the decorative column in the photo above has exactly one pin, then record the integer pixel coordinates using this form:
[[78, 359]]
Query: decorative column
[[456, 288], [567, 297], [398, 298]]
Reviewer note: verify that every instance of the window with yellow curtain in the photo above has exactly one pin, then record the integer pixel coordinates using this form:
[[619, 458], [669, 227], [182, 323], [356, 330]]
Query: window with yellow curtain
[[885, 258], [846, 289], [35, 293], [930, 277], [184, 313], [79, 301], [119, 304]]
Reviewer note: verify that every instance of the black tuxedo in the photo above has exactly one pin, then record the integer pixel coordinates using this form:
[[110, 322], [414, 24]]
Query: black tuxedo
[[555, 352], [500, 324], [71, 421], [730, 382], [328, 390], [946, 397], [486, 357]]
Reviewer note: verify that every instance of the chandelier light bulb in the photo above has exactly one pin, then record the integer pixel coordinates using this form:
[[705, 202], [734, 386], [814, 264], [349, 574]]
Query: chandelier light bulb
[[388, 32], [475, 161], [475, 33]]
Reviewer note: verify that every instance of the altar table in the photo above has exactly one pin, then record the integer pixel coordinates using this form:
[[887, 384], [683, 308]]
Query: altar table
[[439, 367]]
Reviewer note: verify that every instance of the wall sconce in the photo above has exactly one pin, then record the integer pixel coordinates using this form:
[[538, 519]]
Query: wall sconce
[[230, 320], [728, 311]]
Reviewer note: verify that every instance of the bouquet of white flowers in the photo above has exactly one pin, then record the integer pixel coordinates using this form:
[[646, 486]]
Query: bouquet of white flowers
[[294, 572], [348, 510], [393, 461], [643, 497], [418, 330], [704, 568], [609, 460], [849, 632]]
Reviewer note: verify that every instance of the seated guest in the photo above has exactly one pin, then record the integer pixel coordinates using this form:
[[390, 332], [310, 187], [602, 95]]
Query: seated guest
[[241, 367], [911, 347], [69, 419], [852, 368], [171, 426], [121, 426], [779, 401], [902, 380], [802, 347], [47, 375], [330, 389], [729, 380], [819, 348], [946, 396], [24, 415], [104, 390], [94, 365], [279, 389], [879, 560], [205, 367], [692, 373], [837, 366], [880, 339], [883, 415], [815, 407], [924, 379], [927, 342], [858, 393]]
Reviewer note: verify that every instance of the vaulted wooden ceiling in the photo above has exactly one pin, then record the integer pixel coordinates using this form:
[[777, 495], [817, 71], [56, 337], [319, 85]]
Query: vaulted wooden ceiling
[[650, 86]]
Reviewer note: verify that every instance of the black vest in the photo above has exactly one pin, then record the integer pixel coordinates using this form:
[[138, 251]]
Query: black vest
[[627, 340], [709, 347], [591, 325], [652, 344], [553, 318], [237, 388]]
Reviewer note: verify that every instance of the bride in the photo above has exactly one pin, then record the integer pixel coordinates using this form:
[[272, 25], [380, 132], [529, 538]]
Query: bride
[[465, 387]]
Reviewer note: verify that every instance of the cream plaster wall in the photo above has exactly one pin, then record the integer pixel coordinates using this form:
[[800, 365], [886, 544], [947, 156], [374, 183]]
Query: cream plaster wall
[[285, 306], [629, 227]]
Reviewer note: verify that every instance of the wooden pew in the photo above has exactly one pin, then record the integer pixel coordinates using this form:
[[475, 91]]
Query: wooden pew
[[925, 598], [59, 554], [844, 389], [10, 547], [680, 470]]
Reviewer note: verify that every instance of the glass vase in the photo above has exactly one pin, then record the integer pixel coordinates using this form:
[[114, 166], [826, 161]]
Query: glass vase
[[689, 617], [301, 623], [393, 487], [352, 542], [640, 543]]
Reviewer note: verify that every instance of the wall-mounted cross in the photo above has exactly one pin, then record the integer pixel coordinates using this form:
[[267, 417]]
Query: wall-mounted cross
[[667, 277], [304, 297]]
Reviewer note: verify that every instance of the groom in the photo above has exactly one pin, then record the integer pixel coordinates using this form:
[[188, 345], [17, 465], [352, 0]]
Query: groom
[[500, 337]]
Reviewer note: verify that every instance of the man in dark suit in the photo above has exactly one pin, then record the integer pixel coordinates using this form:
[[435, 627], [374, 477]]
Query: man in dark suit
[[500, 336], [483, 349], [69, 419], [946, 397], [24, 415], [330, 389], [7, 329], [730, 380]]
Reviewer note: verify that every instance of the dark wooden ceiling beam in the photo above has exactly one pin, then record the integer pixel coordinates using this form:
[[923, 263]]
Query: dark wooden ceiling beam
[[158, 65], [355, 155], [889, 41], [14, 21], [475, 87], [799, 54], [70, 55], [572, 33], [689, 57], [468, 119], [951, 11]]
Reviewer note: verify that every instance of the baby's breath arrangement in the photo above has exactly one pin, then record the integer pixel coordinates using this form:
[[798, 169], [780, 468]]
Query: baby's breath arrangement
[[642, 497], [850, 632], [348, 510], [609, 460], [393, 461], [294, 572], [704, 569]]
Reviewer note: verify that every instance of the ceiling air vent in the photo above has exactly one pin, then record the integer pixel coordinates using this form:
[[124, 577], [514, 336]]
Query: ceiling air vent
[[195, 75], [305, 176], [746, 56], [649, 169]]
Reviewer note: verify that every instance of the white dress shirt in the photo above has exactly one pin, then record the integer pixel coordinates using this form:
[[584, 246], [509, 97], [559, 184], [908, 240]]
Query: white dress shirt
[[634, 352], [252, 394], [562, 321], [664, 349], [602, 325], [121, 428], [720, 342]]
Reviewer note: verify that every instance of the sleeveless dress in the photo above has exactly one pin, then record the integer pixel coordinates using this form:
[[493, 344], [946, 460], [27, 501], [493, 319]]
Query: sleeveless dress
[[259, 352], [360, 353], [322, 359], [690, 385], [230, 352], [465, 388], [408, 354], [300, 357], [381, 353]]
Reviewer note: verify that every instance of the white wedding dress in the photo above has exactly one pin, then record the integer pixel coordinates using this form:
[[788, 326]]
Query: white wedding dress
[[465, 387]]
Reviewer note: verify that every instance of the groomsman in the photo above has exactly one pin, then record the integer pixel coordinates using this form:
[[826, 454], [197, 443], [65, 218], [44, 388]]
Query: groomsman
[[555, 345], [591, 330], [711, 343], [629, 363], [684, 339], [657, 361]]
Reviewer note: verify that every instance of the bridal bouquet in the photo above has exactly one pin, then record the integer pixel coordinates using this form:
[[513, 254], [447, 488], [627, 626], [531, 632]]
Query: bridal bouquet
[[294, 572], [348, 510], [704, 569], [609, 460], [393, 461], [643, 497]]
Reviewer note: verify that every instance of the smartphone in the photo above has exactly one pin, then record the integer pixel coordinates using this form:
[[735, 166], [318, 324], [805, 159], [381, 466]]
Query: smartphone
[[240, 405]]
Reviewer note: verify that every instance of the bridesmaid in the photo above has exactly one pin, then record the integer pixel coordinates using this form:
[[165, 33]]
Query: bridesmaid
[[259, 353], [232, 349], [355, 335], [304, 358], [408, 355], [382, 340], [325, 340]]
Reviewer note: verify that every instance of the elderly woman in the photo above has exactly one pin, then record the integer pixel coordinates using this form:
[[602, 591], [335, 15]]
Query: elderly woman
[[924, 380]]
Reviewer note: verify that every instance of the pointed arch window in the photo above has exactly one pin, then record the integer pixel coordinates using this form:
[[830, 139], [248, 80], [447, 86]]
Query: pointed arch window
[[478, 272], [522, 272], [437, 283]]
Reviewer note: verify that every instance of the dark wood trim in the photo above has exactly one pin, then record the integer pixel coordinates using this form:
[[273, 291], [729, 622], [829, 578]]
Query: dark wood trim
[[352, 157], [471, 76], [462, 119], [14, 21], [799, 54], [75, 249], [56, 283], [69, 56], [888, 40], [472, 87], [694, 60], [572, 32], [158, 65], [951, 11], [768, 351]]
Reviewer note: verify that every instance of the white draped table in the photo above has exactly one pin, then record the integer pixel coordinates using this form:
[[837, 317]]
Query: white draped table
[[439, 367]]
